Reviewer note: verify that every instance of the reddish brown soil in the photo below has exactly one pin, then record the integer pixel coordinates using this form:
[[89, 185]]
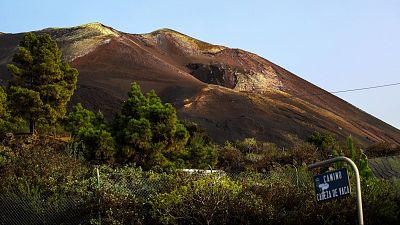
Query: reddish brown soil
[[180, 76]]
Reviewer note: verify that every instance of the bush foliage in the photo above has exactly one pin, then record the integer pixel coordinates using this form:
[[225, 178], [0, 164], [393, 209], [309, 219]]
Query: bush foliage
[[252, 155], [129, 195]]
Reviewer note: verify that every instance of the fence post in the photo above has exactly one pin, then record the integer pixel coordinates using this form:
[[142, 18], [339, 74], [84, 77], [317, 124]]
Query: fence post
[[99, 201]]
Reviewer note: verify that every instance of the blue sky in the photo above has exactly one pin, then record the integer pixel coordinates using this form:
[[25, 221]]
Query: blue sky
[[336, 45]]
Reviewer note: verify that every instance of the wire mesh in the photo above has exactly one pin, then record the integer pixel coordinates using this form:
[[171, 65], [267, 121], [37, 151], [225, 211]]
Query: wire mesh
[[121, 192], [17, 210]]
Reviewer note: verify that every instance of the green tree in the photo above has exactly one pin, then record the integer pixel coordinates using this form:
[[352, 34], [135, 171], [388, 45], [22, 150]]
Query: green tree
[[79, 118], [98, 144], [4, 114], [41, 84], [148, 131], [201, 155], [201, 152], [92, 131], [7, 122]]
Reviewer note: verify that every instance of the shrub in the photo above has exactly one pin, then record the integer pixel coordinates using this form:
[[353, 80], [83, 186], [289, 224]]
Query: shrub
[[125, 193], [119, 203], [98, 144], [325, 143], [48, 183], [81, 117], [230, 158], [381, 201], [208, 200], [39, 173], [252, 155], [304, 153]]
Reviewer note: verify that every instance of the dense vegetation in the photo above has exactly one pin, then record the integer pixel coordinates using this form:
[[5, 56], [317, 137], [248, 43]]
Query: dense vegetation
[[64, 187], [146, 132], [140, 153]]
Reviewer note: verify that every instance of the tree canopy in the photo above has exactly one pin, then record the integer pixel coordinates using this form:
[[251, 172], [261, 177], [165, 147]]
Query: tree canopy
[[41, 84], [4, 113], [148, 131], [91, 132]]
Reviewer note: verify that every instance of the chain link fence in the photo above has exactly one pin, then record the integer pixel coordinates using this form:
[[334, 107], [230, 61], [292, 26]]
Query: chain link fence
[[17, 210], [125, 195]]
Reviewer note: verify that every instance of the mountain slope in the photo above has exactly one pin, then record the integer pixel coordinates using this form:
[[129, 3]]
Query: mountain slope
[[233, 93]]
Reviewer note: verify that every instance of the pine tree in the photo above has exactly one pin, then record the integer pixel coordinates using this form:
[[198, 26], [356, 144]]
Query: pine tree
[[148, 131], [92, 132], [201, 152], [41, 84], [4, 114]]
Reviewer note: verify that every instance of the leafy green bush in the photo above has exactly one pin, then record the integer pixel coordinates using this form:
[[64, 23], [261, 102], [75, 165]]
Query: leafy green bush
[[119, 204], [99, 144], [284, 195], [381, 201], [231, 159], [207, 200], [325, 143], [125, 193], [251, 155], [80, 118], [42, 177], [38, 172]]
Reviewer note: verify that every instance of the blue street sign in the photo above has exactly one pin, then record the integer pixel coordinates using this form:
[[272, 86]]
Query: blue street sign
[[331, 185]]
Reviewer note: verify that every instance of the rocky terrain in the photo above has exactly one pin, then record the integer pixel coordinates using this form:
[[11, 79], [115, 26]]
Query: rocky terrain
[[232, 93]]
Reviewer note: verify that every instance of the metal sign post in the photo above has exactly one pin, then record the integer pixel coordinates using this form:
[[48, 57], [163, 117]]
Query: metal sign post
[[358, 185]]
